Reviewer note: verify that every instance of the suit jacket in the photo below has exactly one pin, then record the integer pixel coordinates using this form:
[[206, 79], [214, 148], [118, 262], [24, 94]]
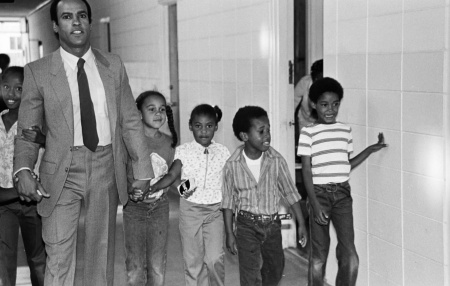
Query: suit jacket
[[47, 101]]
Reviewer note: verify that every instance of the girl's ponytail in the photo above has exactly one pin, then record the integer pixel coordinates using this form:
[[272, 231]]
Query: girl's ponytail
[[218, 113], [170, 123]]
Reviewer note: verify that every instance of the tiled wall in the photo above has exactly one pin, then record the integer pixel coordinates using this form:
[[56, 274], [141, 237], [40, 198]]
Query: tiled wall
[[391, 57], [135, 36], [223, 59]]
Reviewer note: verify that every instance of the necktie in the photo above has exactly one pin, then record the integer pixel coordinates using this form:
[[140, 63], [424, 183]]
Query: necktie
[[88, 123]]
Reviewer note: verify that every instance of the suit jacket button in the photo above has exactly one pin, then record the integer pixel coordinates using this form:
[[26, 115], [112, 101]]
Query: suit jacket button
[[67, 169], [71, 148]]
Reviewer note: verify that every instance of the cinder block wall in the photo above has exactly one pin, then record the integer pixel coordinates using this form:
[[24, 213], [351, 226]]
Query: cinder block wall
[[392, 60]]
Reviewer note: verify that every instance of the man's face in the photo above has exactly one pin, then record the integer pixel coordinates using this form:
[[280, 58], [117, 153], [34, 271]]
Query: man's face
[[73, 27]]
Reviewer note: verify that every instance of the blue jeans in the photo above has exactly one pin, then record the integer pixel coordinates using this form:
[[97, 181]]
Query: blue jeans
[[260, 250], [336, 201], [146, 227], [24, 215]]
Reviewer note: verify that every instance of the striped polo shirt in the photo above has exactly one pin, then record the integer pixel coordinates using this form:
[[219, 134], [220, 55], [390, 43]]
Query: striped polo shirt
[[328, 145]]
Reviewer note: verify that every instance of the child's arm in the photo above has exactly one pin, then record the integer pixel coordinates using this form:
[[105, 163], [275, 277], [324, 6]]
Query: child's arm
[[169, 178], [34, 134], [358, 159], [302, 232], [319, 214], [230, 238]]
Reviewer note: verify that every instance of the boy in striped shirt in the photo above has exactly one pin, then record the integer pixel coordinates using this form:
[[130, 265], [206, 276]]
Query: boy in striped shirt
[[325, 147], [255, 177]]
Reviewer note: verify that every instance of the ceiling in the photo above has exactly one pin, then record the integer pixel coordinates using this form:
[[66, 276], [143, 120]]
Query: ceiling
[[20, 8]]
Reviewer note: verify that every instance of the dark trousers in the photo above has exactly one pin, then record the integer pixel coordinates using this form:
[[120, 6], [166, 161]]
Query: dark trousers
[[146, 228], [21, 215], [261, 256], [337, 204]]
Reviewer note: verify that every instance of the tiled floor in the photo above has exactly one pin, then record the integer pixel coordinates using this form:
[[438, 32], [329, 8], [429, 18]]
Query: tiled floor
[[294, 273]]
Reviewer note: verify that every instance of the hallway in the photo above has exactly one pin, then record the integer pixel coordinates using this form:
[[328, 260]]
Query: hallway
[[294, 273]]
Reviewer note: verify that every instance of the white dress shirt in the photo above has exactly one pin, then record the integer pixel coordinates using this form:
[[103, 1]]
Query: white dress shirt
[[97, 92]]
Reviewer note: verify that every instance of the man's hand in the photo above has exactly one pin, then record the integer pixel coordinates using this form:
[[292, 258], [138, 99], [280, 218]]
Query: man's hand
[[140, 186], [231, 243], [136, 195], [34, 134], [28, 188]]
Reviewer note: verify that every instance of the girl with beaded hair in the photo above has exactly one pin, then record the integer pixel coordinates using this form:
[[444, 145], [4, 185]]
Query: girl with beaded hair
[[146, 215]]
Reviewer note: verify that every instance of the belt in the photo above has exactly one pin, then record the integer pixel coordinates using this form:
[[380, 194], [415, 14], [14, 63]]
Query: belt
[[99, 148], [332, 187], [262, 217]]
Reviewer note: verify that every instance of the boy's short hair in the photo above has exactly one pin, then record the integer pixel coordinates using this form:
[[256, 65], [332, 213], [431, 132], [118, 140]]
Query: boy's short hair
[[326, 84], [242, 121]]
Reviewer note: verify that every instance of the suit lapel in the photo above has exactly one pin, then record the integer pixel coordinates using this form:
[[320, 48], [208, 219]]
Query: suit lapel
[[107, 77], [60, 85]]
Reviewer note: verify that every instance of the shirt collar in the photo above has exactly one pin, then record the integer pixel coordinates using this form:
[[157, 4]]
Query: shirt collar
[[201, 147], [72, 60], [238, 154]]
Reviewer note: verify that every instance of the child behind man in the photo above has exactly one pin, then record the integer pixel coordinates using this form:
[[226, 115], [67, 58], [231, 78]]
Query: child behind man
[[325, 147], [254, 179], [14, 213]]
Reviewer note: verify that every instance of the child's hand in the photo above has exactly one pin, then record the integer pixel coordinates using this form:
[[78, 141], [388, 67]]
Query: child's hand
[[136, 195], [33, 134], [231, 243], [188, 193], [380, 144], [320, 216], [302, 235]]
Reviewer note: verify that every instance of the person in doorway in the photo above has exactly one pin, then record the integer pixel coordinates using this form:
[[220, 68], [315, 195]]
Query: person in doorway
[[16, 214], [301, 101], [83, 98], [255, 177], [325, 147]]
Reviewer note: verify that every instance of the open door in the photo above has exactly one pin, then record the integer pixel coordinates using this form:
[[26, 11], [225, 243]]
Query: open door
[[282, 97]]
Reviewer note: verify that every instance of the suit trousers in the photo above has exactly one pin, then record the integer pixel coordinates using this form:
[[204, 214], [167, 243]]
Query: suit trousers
[[90, 182], [202, 234]]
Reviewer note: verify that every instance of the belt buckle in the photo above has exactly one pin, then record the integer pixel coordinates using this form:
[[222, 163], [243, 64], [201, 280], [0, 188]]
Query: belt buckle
[[330, 187]]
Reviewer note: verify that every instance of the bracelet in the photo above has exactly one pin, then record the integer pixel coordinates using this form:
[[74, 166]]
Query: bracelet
[[33, 174]]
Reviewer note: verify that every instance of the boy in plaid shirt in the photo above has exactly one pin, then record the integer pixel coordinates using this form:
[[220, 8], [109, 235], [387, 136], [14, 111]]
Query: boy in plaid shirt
[[255, 177]]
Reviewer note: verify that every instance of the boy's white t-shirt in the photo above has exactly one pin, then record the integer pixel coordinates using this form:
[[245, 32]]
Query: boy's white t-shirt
[[253, 165]]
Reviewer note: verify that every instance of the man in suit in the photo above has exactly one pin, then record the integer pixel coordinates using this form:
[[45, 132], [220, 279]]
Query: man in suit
[[83, 98]]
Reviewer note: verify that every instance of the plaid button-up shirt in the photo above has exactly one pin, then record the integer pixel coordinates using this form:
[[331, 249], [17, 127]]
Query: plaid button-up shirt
[[241, 191]]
